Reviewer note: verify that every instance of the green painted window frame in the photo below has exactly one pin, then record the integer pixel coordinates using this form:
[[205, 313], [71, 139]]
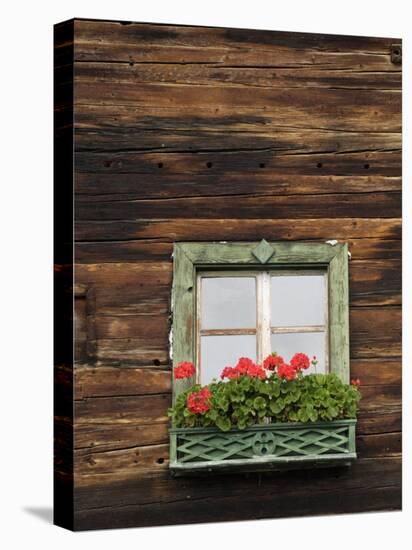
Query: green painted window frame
[[191, 257]]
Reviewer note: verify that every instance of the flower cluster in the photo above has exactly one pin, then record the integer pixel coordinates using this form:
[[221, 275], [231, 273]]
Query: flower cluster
[[288, 371], [273, 391], [184, 370], [198, 402], [300, 361], [245, 366], [273, 361]]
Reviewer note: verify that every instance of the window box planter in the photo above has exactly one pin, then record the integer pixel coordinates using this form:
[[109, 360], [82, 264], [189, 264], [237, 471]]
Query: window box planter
[[262, 447]]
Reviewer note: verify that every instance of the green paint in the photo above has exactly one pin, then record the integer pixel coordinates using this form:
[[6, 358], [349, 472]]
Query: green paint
[[189, 257], [270, 446], [273, 446]]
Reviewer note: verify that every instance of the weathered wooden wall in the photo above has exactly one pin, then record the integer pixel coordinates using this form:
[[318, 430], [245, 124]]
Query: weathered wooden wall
[[187, 133]]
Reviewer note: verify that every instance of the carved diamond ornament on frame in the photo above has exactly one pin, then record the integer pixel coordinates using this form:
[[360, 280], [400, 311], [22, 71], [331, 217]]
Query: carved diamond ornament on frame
[[263, 252]]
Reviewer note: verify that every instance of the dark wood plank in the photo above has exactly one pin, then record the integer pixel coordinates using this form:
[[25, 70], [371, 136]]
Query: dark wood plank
[[360, 205], [240, 161], [376, 332], [236, 229], [371, 481], [373, 372], [135, 288], [104, 467], [111, 381], [98, 252], [138, 410], [134, 42], [375, 282], [107, 437], [165, 183], [162, 488], [211, 510], [204, 73]]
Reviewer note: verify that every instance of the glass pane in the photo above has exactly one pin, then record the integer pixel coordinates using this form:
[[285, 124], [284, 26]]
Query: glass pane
[[218, 352], [228, 302], [298, 300], [311, 343]]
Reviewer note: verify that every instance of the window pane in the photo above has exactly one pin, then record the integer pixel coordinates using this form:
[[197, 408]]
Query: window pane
[[218, 352], [298, 300], [228, 302], [311, 343]]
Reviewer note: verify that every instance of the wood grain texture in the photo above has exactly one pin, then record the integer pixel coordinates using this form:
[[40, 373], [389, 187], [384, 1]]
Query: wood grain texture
[[151, 499], [211, 134]]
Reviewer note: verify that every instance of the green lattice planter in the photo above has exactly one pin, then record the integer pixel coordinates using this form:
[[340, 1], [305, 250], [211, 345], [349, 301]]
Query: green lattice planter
[[264, 447]]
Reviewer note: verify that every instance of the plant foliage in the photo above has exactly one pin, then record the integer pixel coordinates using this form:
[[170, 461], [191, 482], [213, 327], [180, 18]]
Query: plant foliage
[[246, 400]]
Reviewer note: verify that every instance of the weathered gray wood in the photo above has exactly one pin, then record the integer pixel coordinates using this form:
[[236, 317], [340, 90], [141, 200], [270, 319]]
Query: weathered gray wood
[[182, 339], [339, 314]]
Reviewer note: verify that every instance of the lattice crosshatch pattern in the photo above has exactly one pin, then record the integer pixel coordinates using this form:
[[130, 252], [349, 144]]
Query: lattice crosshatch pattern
[[276, 444]]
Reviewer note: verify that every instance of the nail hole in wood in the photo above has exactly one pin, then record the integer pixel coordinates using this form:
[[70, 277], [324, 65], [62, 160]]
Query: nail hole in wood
[[209, 164], [160, 460], [262, 165], [156, 362], [319, 165], [107, 163], [160, 164], [366, 166], [131, 63]]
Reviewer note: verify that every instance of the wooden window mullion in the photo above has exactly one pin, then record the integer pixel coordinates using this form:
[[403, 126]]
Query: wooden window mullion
[[263, 315]]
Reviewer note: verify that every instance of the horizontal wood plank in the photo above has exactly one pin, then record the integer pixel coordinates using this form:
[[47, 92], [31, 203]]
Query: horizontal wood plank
[[114, 41], [135, 288], [360, 205], [92, 187], [203, 74], [138, 410], [375, 332], [243, 161], [108, 437], [96, 252], [386, 498], [104, 467], [235, 229], [111, 381]]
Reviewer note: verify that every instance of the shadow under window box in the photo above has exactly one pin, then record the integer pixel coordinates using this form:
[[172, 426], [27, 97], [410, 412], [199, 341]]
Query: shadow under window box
[[274, 446]]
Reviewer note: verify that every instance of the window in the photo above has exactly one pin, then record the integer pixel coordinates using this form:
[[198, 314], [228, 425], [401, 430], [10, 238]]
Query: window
[[253, 313], [234, 299]]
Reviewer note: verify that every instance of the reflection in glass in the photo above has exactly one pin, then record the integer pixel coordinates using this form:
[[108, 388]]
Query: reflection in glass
[[298, 300], [311, 343], [218, 352], [228, 302]]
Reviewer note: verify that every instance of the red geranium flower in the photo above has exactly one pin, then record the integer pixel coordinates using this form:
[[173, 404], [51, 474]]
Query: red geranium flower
[[287, 372], [184, 370], [244, 367], [273, 361], [300, 361], [355, 382], [198, 402]]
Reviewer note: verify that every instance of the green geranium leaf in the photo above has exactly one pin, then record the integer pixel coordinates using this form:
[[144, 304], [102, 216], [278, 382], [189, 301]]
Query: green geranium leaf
[[259, 403], [223, 423]]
